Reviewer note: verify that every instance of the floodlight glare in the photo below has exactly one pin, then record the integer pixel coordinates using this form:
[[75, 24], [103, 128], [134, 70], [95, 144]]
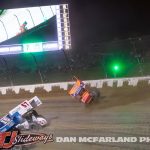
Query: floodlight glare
[[116, 67]]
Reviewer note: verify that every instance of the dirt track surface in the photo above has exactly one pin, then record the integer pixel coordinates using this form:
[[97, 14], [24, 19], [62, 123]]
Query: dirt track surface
[[119, 112]]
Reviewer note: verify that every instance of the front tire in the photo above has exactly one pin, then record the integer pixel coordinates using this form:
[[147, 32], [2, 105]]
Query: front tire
[[34, 127]]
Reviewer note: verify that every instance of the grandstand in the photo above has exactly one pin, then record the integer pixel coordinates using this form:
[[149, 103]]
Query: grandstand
[[47, 67]]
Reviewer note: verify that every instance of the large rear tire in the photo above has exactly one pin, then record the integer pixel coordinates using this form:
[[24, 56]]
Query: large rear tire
[[95, 93]]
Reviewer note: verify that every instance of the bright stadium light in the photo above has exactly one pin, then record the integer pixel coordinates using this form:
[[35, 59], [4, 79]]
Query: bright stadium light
[[116, 67]]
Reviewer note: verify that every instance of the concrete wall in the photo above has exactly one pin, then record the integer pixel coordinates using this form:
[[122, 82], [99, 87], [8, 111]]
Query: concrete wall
[[50, 89]]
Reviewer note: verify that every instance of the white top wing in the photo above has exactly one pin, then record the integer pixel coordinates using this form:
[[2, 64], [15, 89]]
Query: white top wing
[[26, 106], [22, 108]]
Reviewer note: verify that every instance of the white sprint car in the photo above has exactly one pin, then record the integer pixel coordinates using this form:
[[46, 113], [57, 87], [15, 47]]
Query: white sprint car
[[23, 117]]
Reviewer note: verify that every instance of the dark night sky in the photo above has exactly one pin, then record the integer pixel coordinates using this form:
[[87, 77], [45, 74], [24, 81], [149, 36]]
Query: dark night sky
[[101, 20], [106, 20]]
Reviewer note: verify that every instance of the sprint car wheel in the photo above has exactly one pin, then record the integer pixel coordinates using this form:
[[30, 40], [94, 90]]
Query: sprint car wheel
[[34, 127], [95, 93]]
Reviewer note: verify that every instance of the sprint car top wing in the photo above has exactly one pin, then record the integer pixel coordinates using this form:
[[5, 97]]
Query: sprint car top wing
[[77, 87], [26, 106]]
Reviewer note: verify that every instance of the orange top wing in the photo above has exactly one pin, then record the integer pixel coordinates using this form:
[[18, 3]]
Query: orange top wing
[[75, 87]]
